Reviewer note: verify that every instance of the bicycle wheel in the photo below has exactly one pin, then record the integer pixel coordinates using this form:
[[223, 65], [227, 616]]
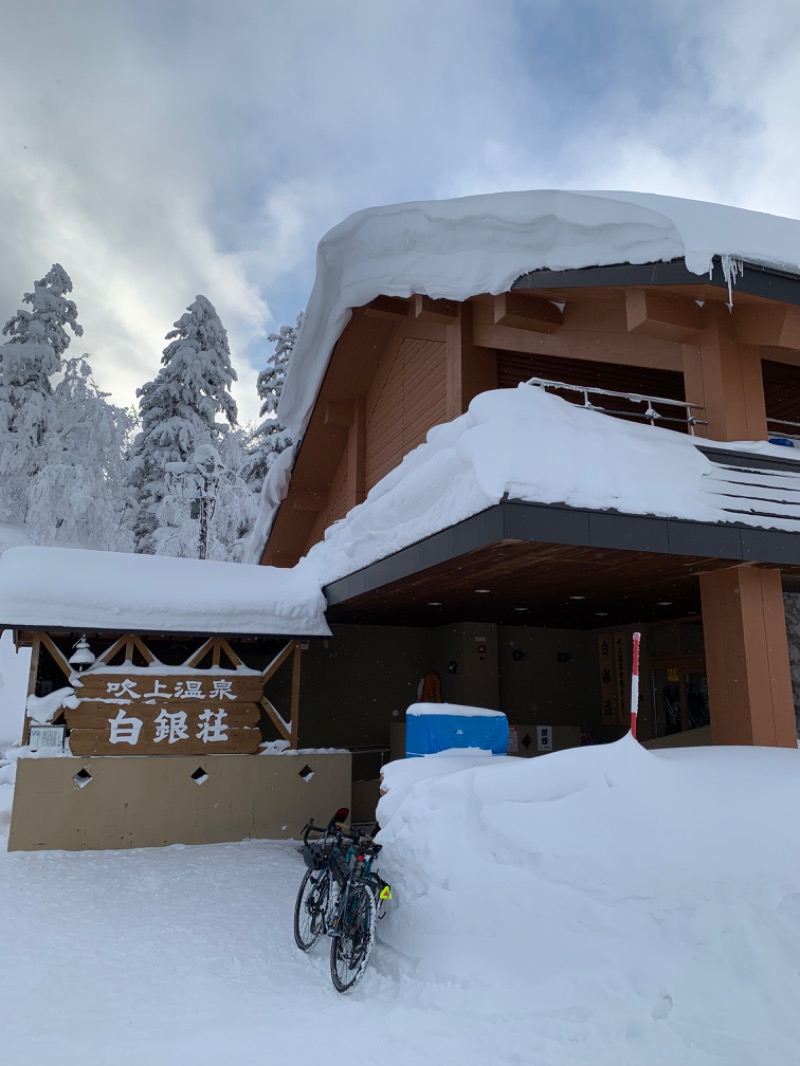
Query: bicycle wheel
[[350, 950], [311, 906]]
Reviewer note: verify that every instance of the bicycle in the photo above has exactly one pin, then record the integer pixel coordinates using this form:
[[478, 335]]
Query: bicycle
[[342, 896], [315, 895]]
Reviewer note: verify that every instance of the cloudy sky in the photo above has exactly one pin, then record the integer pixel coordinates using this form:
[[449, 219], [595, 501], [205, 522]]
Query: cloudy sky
[[163, 148]]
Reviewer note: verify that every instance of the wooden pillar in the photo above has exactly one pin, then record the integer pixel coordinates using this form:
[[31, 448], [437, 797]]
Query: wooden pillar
[[470, 370], [294, 713], [32, 674], [747, 658], [356, 454], [729, 377]]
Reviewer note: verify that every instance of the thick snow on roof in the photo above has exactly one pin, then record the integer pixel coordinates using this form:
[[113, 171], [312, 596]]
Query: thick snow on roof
[[458, 248], [93, 590], [539, 448]]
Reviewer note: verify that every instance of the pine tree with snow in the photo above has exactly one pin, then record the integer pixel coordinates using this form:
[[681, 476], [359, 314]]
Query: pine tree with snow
[[28, 360], [178, 412], [78, 496], [270, 437]]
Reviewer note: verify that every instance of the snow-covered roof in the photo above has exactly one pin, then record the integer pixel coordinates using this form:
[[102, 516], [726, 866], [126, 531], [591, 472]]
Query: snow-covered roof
[[94, 590], [529, 445], [458, 248]]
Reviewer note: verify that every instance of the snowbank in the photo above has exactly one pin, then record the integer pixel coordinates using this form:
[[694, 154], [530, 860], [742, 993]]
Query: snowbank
[[631, 900], [60, 587], [539, 448], [12, 537], [14, 667]]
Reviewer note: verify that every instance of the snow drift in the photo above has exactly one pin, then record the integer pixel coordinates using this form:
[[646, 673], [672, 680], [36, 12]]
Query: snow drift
[[635, 903]]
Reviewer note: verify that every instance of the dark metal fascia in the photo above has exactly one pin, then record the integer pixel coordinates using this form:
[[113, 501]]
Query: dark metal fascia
[[757, 280], [518, 520], [743, 459]]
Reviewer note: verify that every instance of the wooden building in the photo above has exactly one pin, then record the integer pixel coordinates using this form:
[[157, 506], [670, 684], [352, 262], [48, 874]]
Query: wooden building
[[529, 606]]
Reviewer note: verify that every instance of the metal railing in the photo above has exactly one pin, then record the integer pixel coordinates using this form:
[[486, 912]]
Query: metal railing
[[775, 429], [650, 414]]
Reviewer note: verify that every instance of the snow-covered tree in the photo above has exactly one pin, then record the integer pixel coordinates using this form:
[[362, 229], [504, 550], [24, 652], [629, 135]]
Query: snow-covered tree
[[207, 508], [270, 438], [28, 360], [178, 412], [78, 496], [50, 312]]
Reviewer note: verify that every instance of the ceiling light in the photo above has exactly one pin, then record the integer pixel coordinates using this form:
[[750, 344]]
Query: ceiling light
[[601, 614], [577, 597], [483, 590], [521, 608], [665, 603], [434, 603]]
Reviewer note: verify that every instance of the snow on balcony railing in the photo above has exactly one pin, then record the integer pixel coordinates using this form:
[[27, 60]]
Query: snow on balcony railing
[[782, 429], [649, 414]]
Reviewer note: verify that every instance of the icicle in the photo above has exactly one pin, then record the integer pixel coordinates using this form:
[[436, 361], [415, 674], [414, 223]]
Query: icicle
[[730, 268]]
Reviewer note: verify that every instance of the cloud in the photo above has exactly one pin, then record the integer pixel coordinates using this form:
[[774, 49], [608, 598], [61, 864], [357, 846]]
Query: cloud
[[164, 150]]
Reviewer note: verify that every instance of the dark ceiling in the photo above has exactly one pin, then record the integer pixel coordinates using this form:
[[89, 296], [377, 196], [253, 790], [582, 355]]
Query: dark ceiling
[[537, 584]]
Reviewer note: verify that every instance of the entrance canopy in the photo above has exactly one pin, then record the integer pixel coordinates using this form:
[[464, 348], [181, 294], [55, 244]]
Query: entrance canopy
[[529, 494]]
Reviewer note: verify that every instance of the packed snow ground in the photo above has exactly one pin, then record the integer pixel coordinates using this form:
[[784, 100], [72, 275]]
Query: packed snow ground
[[600, 907], [606, 905]]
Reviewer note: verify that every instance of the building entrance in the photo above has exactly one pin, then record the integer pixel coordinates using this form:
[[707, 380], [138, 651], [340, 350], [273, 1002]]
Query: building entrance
[[680, 683]]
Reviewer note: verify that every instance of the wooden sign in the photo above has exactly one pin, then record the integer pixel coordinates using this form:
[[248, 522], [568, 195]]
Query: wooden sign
[[147, 687], [139, 713]]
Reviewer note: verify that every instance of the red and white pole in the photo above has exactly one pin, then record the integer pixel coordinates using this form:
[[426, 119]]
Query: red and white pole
[[635, 684]]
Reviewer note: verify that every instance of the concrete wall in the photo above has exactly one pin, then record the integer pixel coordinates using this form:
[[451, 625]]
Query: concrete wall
[[131, 802], [357, 689], [352, 690], [556, 682]]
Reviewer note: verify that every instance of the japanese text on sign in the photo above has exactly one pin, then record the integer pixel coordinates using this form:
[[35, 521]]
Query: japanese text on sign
[[213, 689]]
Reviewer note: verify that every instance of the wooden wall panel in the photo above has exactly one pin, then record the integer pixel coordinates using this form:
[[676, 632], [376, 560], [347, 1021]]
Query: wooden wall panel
[[407, 398], [337, 505]]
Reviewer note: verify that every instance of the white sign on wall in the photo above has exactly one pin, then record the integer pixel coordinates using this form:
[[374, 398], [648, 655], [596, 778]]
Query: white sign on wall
[[544, 738], [46, 737]]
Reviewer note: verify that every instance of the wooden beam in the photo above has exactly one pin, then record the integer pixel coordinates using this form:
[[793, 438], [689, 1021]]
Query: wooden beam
[[278, 661], [602, 340], [339, 413], [109, 653], [200, 654], [391, 307], [523, 311], [764, 326], [470, 369], [277, 721], [234, 658], [313, 500], [60, 659], [425, 309], [294, 713], [144, 651], [32, 672], [356, 455], [662, 315]]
